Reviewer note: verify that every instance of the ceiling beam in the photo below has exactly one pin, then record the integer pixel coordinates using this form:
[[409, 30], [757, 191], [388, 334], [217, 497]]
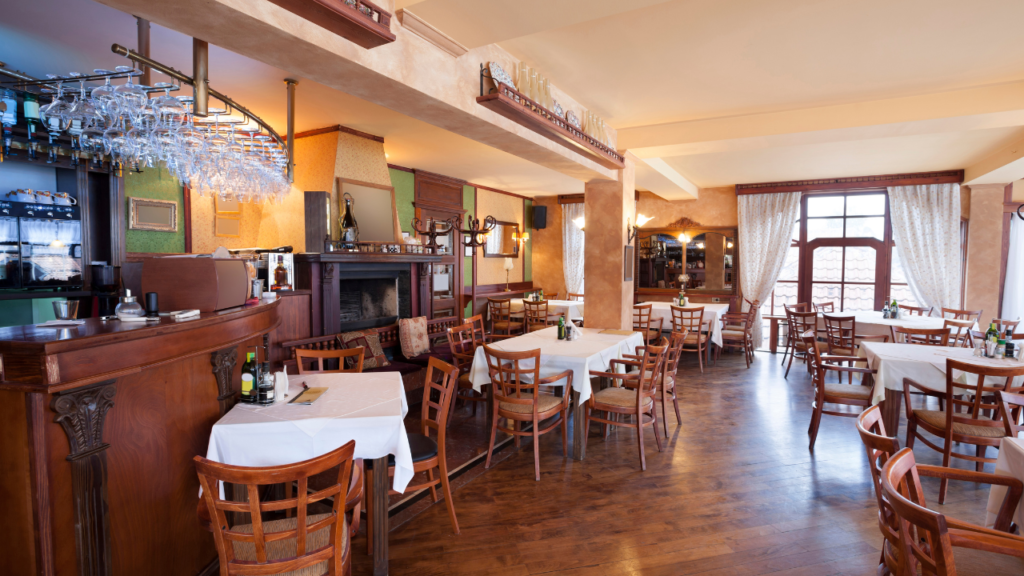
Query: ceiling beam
[[654, 175], [1004, 165]]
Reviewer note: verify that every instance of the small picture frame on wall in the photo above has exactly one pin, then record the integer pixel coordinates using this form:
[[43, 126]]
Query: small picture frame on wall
[[227, 226], [627, 264], [227, 206], [152, 215], [281, 271]]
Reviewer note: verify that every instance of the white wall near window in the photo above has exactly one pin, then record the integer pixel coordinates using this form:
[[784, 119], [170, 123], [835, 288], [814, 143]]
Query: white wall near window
[[1013, 288]]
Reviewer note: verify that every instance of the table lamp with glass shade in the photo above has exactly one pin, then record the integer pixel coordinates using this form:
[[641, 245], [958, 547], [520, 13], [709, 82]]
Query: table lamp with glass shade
[[509, 265]]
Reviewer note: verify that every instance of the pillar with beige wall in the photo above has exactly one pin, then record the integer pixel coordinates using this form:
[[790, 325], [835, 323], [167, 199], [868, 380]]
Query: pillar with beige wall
[[548, 272], [984, 249], [609, 204]]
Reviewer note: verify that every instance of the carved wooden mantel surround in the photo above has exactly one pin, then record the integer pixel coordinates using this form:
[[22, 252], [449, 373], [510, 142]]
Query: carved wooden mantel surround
[[99, 425]]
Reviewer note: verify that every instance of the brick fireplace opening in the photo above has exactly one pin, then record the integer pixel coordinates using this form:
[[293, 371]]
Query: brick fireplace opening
[[372, 296]]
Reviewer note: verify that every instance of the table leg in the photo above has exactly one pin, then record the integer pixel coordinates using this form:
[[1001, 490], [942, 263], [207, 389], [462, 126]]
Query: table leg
[[579, 432], [891, 408], [380, 517], [773, 335]]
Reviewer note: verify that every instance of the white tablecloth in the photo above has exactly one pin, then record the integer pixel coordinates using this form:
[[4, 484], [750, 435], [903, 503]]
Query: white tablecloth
[[712, 313], [573, 309], [926, 365], [368, 408], [1009, 463], [871, 323], [592, 351]]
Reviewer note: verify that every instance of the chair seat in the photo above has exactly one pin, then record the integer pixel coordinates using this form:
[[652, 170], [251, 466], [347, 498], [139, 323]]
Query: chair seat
[[620, 397], [937, 419], [545, 402], [849, 391], [733, 333], [507, 325], [464, 381], [844, 351], [422, 448], [279, 549], [691, 338]]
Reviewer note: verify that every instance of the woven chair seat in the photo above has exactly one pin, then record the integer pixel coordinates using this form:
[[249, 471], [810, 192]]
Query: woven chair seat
[[620, 397], [937, 419], [691, 338], [545, 402], [734, 333], [279, 549], [848, 391], [843, 351]]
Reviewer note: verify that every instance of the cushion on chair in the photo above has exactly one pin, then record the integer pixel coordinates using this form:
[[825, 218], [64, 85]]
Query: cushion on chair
[[507, 325], [545, 402], [691, 338], [734, 333], [373, 354], [279, 549], [937, 419], [422, 448], [849, 391], [843, 351], [464, 381], [620, 397], [412, 333]]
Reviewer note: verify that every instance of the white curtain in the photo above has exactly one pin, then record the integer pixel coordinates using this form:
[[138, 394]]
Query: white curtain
[[766, 229], [572, 248], [1013, 289], [926, 229]]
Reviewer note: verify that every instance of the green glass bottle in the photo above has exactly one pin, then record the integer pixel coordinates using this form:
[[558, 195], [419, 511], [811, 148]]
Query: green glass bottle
[[561, 328], [249, 390]]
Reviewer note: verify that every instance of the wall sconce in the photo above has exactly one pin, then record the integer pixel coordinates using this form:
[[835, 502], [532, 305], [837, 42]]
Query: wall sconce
[[509, 265], [728, 244], [580, 222], [634, 230], [522, 238]]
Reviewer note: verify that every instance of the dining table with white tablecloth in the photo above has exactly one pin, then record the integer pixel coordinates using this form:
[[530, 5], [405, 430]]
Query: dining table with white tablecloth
[[872, 323], [593, 350], [1010, 462], [573, 309], [711, 321]]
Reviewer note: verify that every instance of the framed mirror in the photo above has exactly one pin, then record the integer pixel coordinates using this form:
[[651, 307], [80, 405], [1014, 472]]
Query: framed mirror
[[152, 215], [503, 241], [700, 260]]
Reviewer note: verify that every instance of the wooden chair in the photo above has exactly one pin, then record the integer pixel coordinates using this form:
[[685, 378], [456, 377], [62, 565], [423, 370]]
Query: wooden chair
[[736, 333], [792, 336], [355, 354], [829, 307], [574, 297], [1011, 408], [518, 398], [669, 375], [463, 341], [926, 336], [645, 325], [927, 538], [635, 396], [962, 420], [961, 338], [691, 321], [427, 454], [799, 324], [501, 317], [955, 314], [916, 310], [842, 338], [1002, 325], [319, 542], [839, 393], [537, 317]]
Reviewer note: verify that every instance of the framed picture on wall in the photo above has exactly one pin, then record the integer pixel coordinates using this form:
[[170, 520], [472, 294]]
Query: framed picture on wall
[[227, 206], [152, 215], [281, 271], [627, 264], [227, 226]]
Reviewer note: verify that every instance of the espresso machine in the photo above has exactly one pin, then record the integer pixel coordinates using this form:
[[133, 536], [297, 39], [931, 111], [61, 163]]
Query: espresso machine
[[106, 285]]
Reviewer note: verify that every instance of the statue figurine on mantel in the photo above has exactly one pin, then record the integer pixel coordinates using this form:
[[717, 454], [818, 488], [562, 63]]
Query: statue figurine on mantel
[[349, 227]]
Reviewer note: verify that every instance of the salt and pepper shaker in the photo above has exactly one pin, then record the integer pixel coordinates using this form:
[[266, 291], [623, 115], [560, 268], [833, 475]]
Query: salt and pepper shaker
[[152, 307]]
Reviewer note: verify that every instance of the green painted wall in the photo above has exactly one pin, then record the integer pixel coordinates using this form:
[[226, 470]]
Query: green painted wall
[[158, 184], [469, 204], [405, 194], [528, 245]]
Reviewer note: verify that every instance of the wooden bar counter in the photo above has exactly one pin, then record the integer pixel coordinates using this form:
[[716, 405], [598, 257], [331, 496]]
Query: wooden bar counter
[[98, 428]]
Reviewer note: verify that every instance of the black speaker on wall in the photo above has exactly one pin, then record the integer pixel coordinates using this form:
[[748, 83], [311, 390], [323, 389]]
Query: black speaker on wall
[[540, 217]]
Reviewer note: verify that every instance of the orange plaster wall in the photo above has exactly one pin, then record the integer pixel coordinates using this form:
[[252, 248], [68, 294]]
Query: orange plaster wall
[[547, 249], [504, 208], [713, 207], [984, 250]]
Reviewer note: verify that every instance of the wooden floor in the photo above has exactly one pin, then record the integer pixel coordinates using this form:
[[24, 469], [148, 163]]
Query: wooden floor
[[736, 492]]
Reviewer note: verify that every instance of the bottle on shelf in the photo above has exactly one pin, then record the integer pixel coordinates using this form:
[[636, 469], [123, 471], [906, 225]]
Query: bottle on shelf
[[249, 389], [561, 327]]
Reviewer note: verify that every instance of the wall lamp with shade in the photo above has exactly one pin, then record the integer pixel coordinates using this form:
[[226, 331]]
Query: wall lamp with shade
[[509, 265]]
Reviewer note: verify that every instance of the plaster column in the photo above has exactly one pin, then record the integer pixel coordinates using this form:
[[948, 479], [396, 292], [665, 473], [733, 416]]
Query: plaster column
[[609, 203], [984, 250]]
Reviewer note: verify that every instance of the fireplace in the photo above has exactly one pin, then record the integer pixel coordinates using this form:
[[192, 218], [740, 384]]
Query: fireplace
[[372, 296]]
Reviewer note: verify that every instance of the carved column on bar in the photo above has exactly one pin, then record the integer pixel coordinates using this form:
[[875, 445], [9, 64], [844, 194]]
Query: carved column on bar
[[329, 301], [81, 413], [224, 362]]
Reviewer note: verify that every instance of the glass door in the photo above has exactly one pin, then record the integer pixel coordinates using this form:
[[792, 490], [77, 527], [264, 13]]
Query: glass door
[[846, 275], [9, 269]]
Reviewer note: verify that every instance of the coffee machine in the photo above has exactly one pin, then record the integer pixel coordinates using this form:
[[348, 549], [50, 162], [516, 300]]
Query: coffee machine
[[106, 285]]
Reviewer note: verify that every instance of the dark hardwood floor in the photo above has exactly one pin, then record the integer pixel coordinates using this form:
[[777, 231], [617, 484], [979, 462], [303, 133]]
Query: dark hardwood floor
[[736, 492]]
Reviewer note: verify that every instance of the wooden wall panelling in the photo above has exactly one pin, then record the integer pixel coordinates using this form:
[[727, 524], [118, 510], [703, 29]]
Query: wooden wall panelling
[[118, 220], [295, 325], [186, 207], [318, 226], [437, 191], [20, 547]]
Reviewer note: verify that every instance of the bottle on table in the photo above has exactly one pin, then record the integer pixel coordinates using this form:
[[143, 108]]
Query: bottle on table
[[1010, 346], [1000, 348], [894, 310], [885, 309], [992, 334], [266, 388], [249, 389], [561, 327]]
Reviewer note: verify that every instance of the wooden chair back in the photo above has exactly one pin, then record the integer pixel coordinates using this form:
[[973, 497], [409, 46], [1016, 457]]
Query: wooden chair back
[[652, 364], [1002, 325], [463, 343], [801, 322], [674, 351], [354, 355], [642, 317], [840, 332], [799, 307], [924, 535], [536, 313], [967, 408], [926, 336], [687, 319], [514, 375], [261, 549], [500, 309], [479, 331], [960, 332], [438, 390], [955, 314], [880, 448], [829, 307], [574, 297], [1011, 410], [916, 310]]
